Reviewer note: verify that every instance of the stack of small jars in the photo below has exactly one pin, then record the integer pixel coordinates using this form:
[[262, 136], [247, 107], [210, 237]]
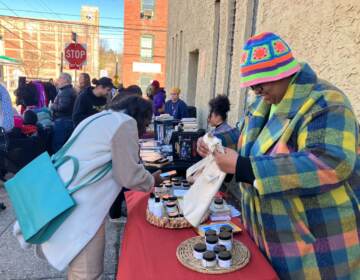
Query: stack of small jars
[[217, 248]]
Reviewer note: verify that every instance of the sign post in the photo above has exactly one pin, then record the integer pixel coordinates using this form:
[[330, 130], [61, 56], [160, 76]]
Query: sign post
[[75, 55]]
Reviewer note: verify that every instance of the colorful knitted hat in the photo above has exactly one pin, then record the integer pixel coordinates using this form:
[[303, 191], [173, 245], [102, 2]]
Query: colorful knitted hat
[[266, 58]]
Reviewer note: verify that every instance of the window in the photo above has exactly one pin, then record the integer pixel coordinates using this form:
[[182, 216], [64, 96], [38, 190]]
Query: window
[[146, 47], [144, 83], [147, 9]]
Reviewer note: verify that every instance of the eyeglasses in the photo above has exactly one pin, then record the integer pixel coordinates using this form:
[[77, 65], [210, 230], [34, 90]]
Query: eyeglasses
[[257, 88]]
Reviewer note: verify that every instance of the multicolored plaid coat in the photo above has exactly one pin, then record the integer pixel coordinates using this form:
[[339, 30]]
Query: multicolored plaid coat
[[303, 210]]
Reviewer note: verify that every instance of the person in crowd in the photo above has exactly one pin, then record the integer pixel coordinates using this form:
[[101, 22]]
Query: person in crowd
[[6, 110], [117, 210], [27, 96], [112, 135], [42, 101], [219, 108], [84, 82], [175, 106], [92, 100], [157, 95], [50, 92], [62, 110], [298, 166]]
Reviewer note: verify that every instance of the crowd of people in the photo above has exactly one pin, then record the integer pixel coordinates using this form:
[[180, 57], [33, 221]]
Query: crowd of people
[[294, 154]]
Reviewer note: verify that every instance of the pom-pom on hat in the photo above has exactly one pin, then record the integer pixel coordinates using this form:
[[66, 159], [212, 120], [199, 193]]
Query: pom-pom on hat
[[266, 58]]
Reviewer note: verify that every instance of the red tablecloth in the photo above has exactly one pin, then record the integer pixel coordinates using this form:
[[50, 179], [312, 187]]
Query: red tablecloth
[[149, 253]]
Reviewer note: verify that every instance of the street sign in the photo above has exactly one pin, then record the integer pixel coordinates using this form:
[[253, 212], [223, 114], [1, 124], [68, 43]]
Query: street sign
[[75, 55]]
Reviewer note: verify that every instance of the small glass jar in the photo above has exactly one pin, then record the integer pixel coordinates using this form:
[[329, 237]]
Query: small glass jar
[[159, 190], [218, 203], [225, 259], [199, 250], [218, 249], [225, 238], [210, 232], [158, 208], [169, 189], [186, 185], [226, 228], [177, 184], [171, 207], [211, 242], [209, 259]]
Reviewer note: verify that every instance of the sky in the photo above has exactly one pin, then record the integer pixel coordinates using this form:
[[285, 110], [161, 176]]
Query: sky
[[111, 14]]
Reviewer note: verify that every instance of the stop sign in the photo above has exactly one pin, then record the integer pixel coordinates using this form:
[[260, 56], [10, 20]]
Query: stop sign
[[75, 55]]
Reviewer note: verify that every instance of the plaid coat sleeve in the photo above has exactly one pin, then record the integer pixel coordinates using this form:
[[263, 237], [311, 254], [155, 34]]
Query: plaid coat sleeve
[[324, 158]]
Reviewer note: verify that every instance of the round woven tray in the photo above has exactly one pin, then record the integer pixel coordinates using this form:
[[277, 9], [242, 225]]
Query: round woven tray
[[165, 222], [184, 253]]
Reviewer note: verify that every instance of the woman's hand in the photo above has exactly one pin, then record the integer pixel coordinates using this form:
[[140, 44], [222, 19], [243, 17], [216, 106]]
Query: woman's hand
[[157, 179], [202, 148], [227, 160]]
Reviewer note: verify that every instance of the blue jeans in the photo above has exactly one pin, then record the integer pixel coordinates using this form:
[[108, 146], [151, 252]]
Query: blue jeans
[[63, 127]]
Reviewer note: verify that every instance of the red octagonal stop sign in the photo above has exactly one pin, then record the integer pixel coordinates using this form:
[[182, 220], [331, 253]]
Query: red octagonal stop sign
[[75, 55]]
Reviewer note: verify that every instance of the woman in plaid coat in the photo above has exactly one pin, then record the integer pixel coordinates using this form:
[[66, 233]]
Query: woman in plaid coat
[[298, 165]]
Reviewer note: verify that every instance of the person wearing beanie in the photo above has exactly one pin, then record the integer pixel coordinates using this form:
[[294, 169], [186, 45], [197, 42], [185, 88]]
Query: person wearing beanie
[[297, 165], [157, 95], [175, 106], [92, 100]]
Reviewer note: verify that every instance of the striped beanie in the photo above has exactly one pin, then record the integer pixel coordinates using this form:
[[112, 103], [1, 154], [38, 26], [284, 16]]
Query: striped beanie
[[266, 58]]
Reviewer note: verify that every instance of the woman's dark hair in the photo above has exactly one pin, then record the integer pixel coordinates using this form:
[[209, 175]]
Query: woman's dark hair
[[136, 107], [87, 79], [130, 90], [104, 82], [220, 105], [30, 117], [27, 95]]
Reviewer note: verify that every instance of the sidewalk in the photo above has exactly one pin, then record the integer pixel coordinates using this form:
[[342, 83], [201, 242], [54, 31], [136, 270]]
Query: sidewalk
[[18, 264]]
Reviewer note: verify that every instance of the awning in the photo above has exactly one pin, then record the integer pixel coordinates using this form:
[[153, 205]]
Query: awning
[[7, 60]]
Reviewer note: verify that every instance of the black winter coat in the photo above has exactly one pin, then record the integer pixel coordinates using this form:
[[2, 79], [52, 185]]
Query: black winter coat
[[64, 102]]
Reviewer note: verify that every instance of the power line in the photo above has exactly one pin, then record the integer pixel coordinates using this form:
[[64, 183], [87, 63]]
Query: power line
[[57, 13], [67, 23], [8, 8], [47, 7]]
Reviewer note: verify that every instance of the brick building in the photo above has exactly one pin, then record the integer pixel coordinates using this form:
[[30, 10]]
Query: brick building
[[205, 40], [145, 25], [39, 44]]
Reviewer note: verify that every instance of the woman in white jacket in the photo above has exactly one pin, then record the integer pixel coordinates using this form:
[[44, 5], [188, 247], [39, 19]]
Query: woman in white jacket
[[80, 241]]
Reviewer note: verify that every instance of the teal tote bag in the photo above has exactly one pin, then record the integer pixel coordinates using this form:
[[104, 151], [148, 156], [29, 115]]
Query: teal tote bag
[[41, 200]]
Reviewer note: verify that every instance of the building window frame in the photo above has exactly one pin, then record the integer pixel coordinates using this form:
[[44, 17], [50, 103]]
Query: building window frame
[[147, 58], [147, 14]]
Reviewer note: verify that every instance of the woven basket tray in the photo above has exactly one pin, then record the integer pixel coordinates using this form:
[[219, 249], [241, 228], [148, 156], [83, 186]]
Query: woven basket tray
[[184, 253], [165, 222]]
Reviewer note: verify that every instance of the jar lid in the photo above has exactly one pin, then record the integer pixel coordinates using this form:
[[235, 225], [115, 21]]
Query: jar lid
[[186, 185], [167, 182], [212, 239], [224, 256], [175, 180], [219, 200], [152, 195], [168, 185], [200, 247], [209, 256], [184, 181], [172, 198], [225, 235], [210, 232], [226, 228], [219, 248], [178, 183], [157, 199]]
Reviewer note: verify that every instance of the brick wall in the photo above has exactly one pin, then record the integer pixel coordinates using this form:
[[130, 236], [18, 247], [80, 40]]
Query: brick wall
[[135, 27]]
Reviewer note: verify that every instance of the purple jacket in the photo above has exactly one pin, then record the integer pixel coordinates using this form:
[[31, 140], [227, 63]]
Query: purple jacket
[[158, 101]]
